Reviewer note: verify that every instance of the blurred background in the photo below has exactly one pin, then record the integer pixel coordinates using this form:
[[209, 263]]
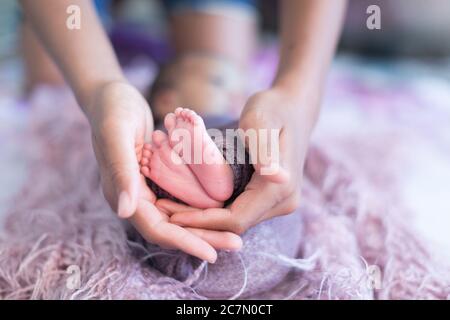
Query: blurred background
[[409, 27], [394, 81]]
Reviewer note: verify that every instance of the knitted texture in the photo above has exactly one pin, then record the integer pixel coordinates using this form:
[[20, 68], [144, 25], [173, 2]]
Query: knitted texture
[[355, 238]]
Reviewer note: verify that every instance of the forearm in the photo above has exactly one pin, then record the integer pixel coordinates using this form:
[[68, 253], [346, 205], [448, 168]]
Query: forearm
[[309, 33], [84, 55]]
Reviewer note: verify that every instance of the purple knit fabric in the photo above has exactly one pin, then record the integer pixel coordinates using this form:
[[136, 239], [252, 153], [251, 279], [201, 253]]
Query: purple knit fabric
[[347, 224], [255, 269], [248, 272]]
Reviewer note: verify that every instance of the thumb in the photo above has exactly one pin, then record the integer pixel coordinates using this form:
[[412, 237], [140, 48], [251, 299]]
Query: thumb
[[116, 155], [263, 144], [273, 172]]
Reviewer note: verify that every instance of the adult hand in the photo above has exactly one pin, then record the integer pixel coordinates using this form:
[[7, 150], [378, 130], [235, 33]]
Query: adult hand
[[265, 196], [120, 120], [121, 123]]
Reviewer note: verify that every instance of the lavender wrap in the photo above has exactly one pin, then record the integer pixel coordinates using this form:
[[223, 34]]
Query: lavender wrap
[[256, 268]]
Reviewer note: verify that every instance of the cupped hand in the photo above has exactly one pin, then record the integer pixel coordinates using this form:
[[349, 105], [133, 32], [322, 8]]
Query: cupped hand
[[270, 192], [121, 122]]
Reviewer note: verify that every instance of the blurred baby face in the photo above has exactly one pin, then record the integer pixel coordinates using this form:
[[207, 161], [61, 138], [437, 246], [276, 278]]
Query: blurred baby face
[[206, 84]]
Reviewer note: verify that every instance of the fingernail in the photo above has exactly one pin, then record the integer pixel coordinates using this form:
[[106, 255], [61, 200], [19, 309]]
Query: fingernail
[[239, 243], [123, 207], [213, 258], [212, 261]]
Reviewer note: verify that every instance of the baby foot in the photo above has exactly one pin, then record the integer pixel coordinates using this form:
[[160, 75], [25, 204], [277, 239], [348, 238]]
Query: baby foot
[[200, 153], [165, 168]]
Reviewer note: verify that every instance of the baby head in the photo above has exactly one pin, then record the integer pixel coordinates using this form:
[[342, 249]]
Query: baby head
[[210, 85]]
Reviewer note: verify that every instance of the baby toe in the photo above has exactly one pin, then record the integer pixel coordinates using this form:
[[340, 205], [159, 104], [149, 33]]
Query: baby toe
[[145, 170], [178, 111], [170, 121], [190, 114], [146, 154], [158, 137], [197, 120], [185, 113], [145, 161]]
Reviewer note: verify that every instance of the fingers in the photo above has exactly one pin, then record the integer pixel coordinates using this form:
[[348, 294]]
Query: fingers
[[116, 154], [260, 201], [273, 172], [171, 235], [155, 228], [169, 206], [287, 206], [214, 219], [246, 211], [167, 234], [220, 240], [217, 239], [262, 139], [274, 169]]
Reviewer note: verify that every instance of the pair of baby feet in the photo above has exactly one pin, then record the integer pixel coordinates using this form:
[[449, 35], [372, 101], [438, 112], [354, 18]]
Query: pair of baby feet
[[187, 163]]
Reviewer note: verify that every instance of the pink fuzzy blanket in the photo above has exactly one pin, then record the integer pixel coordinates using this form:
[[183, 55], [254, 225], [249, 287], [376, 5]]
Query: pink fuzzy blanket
[[357, 239]]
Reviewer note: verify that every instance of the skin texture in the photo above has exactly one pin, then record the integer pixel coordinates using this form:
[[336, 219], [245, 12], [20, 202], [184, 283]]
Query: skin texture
[[173, 176], [204, 185], [38, 65], [121, 122], [213, 173], [230, 35], [291, 105], [209, 84]]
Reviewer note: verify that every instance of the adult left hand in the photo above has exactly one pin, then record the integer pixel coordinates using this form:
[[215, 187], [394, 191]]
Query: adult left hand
[[265, 196]]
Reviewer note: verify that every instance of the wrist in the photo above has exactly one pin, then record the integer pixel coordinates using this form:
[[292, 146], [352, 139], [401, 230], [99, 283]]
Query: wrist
[[89, 92], [303, 106], [297, 89], [303, 101]]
